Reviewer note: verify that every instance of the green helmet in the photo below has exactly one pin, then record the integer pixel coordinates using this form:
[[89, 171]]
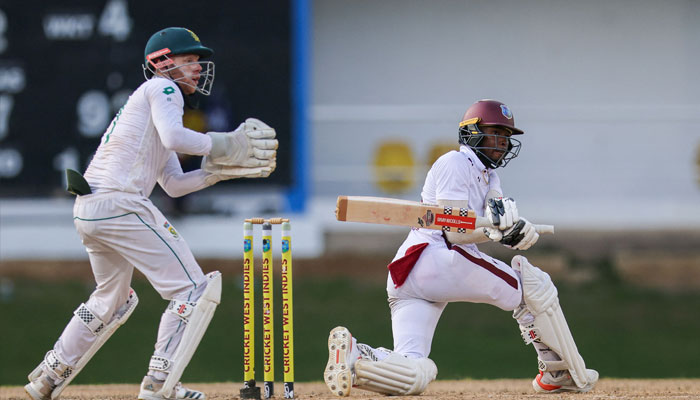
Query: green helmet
[[174, 41], [178, 41]]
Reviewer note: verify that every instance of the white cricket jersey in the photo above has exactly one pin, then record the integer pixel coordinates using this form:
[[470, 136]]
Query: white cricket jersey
[[139, 146], [457, 175]]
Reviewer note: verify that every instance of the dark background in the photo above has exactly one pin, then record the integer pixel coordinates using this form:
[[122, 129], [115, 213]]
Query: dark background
[[251, 41]]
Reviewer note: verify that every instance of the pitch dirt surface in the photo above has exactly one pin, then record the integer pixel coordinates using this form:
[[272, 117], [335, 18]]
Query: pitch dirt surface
[[463, 389]]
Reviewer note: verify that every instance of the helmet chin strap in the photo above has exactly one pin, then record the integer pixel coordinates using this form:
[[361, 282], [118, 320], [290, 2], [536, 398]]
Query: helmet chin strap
[[168, 75], [486, 160], [208, 78], [191, 100]]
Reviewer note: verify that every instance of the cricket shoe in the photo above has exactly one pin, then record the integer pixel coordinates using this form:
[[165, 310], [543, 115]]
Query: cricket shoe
[[342, 354], [41, 387], [150, 387], [547, 382]]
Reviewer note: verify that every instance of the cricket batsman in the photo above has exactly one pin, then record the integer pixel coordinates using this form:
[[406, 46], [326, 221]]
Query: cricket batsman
[[433, 268], [121, 229]]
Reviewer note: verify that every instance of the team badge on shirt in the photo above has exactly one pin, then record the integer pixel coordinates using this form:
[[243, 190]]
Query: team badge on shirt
[[170, 229]]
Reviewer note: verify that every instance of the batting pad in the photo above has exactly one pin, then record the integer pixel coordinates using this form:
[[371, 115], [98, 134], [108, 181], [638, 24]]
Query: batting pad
[[197, 318], [98, 328], [395, 375], [550, 326]]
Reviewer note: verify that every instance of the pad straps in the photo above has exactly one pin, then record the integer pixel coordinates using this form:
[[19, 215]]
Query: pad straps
[[550, 366], [159, 364], [183, 309], [55, 364], [87, 317]]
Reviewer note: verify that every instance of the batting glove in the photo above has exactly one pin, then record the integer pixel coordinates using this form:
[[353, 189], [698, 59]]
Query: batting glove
[[521, 236], [501, 212]]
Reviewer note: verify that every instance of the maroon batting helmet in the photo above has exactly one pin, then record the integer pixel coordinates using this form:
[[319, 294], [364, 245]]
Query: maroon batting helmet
[[488, 113]]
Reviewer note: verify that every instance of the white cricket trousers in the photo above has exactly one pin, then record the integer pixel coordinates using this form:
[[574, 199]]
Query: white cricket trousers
[[121, 231], [443, 275]]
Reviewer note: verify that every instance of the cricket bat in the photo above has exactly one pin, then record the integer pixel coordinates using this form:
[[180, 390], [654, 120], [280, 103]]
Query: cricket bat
[[387, 211]]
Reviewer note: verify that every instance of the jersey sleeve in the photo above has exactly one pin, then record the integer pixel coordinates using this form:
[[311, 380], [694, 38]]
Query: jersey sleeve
[[451, 177], [167, 106], [177, 183]]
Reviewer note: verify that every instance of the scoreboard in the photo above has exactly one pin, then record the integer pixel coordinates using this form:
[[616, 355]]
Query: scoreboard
[[67, 67]]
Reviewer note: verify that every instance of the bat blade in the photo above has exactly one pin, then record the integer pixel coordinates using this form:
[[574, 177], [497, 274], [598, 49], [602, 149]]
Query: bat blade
[[388, 211]]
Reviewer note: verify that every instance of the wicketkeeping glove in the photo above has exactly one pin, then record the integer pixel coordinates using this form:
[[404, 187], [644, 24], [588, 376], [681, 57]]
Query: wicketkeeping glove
[[223, 172], [521, 236], [252, 144]]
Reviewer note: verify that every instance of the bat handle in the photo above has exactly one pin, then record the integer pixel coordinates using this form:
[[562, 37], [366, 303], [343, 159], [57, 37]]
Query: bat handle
[[482, 222], [541, 229]]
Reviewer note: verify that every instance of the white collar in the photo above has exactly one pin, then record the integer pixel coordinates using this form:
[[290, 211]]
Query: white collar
[[472, 156]]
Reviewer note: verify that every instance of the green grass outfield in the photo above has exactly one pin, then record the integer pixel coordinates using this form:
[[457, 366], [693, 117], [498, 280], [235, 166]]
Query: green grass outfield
[[621, 331]]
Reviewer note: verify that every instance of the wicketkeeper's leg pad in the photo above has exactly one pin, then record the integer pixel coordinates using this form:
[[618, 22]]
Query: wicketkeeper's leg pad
[[197, 316], [549, 326], [101, 329], [395, 375]]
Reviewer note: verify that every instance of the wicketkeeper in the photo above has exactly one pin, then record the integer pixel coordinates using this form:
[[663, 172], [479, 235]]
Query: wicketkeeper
[[121, 228], [433, 268]]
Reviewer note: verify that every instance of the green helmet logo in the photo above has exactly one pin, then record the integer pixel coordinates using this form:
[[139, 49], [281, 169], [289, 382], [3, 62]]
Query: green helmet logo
[[193, 35]]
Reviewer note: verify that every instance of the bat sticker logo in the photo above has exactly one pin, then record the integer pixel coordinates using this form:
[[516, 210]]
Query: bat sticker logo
[[427, 219]]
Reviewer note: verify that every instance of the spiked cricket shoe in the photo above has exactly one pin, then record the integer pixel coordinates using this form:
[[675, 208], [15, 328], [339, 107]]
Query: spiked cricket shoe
[[546, 382], [41, 387], [338, 374], [150, 386]]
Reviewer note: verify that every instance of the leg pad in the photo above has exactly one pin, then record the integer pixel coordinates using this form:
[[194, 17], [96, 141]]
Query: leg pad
[[98, 328], [197, 316], [395, 375], [549, 326]]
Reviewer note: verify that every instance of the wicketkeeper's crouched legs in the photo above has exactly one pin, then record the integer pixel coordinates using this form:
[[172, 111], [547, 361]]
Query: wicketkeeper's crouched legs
[[542, 323], [182, 327], [86, 332]]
